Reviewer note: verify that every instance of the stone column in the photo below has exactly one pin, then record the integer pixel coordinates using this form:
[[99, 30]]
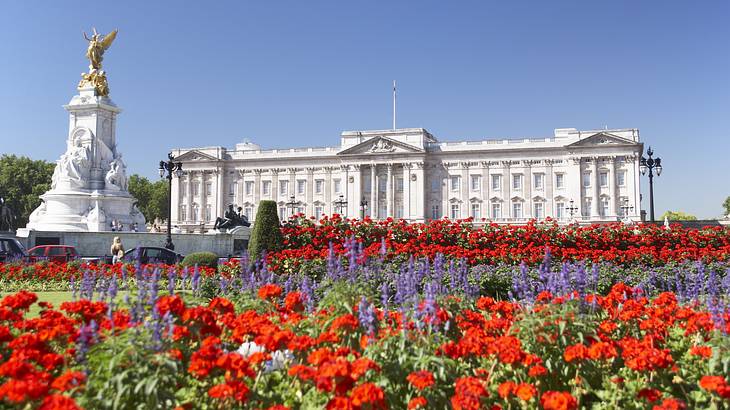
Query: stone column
[[549, 189], [256, 191], [446, 190], [389, 191], [407, 191], [345, 190], [420, 192], [596, 188], [310, 192], [373, 191], [275, 187], [189, 199], [293, 185], [330, 209], [356, 190], [527, 190], [612, 188], [220, 192], [574, 181], [465, 187], [506, 190]]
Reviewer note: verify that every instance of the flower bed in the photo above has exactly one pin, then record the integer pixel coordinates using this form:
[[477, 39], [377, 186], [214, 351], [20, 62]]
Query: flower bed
[[366, 336], [616, 243]]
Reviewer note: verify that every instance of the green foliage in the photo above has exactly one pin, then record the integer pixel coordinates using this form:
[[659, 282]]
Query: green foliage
[[152, 199], [677, 216], [266, 235], [726, 205], [208, 259], [22, 181]]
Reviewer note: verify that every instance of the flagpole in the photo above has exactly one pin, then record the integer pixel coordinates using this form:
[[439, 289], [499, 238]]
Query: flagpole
[[393, 104]]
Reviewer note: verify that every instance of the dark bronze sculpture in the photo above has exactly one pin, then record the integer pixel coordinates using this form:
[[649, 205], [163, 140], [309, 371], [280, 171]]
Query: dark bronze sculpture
[[231, 219]]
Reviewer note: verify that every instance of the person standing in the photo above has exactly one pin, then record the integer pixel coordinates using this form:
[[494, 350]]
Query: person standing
[[117, 250]]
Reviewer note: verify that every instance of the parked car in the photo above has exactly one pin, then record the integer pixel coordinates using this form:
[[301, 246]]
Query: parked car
[[53, 253], [11, 249], [152, 254]]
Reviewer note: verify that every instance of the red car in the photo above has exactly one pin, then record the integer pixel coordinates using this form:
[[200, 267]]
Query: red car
[[53, 253]]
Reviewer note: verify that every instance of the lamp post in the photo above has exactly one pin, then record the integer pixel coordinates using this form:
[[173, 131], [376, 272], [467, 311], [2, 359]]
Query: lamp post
[[650, 164], [167, 170], [572, 209], [363, 208], [291, 205], [341, 204]]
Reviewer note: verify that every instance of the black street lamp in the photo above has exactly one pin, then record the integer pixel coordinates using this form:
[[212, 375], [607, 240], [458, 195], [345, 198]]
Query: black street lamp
[[167, 170], [341, 204], [291, 205], [572, 209], [650, 164], [363, 208]]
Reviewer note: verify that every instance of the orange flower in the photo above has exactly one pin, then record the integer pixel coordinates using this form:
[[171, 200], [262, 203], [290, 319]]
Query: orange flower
[[702, 351], [421, 379], [506, 389], [269, 291], [525, 391], [558, 400], [712, 383], [417, 402], [575, 353], [368, 393], [671, 404], [68, 381]]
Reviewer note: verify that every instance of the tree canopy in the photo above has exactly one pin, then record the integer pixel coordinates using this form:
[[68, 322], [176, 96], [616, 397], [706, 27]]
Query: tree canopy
[[677, 216], [151, 197], [22, 182], [726, 205]]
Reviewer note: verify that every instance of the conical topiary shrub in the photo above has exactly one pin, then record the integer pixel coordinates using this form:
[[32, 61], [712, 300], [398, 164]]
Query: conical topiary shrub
[[266, 234]]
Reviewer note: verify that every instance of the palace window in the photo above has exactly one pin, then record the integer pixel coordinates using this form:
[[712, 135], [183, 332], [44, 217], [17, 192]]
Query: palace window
[[476, 211], [248, 212], [538, 180], [604, 206], [538, 210], [196, 189], [196, 213], [454, 183], [399, 184], [318, 186], [454, 211], [183, 213], [586, 179], [338, 186], [559, 181], [301, 184], [282, 213], [435, 213], [183, 189], [560, 210], [603, 179], [399, 210], [496, 182], [208, 213], [249, 187], [232, 187], [283, 187], [621, 177], [517, 182], [266, 187], [586, 211], [476, 181], [517, 209], [208, 189], [435, 185], [496, 211], [318, 211]]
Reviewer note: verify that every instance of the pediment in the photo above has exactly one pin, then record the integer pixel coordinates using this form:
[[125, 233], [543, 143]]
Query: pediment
[[195, 155], [495, 199], [379, 146], [602, 139], [517, 199], [560, 198], [538, 198]]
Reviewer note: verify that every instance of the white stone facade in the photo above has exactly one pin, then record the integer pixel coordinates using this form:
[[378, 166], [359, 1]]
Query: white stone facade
[[409, 174]]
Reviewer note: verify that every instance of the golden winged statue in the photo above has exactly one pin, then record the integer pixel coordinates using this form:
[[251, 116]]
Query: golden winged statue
[[96, 77], [97, 45]]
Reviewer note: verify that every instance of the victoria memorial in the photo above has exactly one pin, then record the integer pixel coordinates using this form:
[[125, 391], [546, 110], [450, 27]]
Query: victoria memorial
[[407, 173]]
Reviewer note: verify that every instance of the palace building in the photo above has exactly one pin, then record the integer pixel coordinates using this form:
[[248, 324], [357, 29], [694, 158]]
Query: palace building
[[588, 176]]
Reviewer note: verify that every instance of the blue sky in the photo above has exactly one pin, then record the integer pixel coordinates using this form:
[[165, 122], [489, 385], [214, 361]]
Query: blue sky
[[297, 73]]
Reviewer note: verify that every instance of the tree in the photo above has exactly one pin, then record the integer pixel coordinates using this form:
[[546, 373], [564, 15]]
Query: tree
[[266, 233], [22, 182], [677, 216], [726, 205], [151, 197]]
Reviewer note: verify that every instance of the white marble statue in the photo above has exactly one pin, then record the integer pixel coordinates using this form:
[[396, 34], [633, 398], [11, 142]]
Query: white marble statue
[[73, 166], [116, 178]]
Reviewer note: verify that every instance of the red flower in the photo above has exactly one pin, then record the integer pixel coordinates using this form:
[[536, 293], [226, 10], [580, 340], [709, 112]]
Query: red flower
[[269, 291], [417, 402], [671, 404], [421, 379], [712, 383], [649, 394], [558, 400], [68, 381], [368, 393], [58, 402]]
